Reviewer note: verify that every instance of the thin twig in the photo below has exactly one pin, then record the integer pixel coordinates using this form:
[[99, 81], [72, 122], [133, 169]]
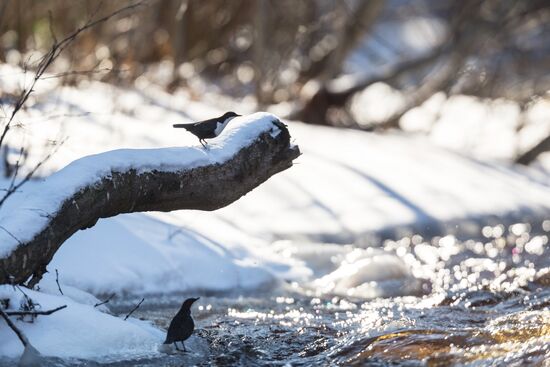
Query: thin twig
[[16, 170], [106, 301], [34, 313], [43, 213], [46, 61], [29, 305], [57, 281], [11, 235], [16, 330], [15, 286], [28, 176], [135, 308]]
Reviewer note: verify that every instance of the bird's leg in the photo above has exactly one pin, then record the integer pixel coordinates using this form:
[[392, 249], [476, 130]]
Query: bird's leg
[[184, 349], [176, 344], [203, 144]]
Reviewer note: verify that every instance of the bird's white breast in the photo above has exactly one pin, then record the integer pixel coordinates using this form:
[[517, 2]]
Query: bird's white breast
[[220, 126]]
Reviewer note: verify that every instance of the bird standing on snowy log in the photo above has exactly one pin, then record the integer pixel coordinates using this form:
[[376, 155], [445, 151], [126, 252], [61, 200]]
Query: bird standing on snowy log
[[208, 129], [182, 325]]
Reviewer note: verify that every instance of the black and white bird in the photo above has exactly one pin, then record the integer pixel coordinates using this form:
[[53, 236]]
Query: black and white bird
[[182, 325], [208, 129]]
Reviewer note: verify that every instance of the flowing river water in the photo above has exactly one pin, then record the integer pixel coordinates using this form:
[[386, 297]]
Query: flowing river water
[[478, 302], [412, 302]]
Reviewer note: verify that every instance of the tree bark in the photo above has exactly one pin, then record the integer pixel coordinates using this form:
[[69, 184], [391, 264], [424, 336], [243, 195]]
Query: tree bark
[[207, 187]]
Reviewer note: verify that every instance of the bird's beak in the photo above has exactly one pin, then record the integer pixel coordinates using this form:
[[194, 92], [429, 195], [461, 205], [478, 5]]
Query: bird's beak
[[196, 299]]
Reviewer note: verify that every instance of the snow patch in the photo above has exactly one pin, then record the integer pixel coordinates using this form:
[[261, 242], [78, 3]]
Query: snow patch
[[77, 331]]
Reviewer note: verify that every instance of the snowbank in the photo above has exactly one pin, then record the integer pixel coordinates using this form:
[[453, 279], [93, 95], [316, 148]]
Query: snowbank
[[144, 254], [77, 331]]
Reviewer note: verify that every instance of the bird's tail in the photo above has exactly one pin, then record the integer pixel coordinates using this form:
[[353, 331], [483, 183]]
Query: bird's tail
[[185, 126]]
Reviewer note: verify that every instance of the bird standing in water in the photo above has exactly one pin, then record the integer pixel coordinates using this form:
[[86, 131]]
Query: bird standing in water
[[182, 325], [208, 129]]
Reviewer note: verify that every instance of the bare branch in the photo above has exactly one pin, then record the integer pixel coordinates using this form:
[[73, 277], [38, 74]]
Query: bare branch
[[57, 282], [106, 301], [16, 170], [13, 188], [134, 309], [28, 306], [35, 313], [15, 329], [11, 235]]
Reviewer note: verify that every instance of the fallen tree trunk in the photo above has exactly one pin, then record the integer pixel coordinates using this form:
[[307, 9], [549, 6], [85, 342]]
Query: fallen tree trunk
[[251, 149]]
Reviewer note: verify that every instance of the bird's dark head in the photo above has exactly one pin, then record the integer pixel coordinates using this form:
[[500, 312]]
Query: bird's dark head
[[229, 115], [186, 306]]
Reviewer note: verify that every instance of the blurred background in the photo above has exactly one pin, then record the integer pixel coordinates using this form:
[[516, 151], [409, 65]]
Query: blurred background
[[471, 75]]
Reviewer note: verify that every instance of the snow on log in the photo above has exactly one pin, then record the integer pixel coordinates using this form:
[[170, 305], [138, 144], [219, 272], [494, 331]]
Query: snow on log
[[250, 150]]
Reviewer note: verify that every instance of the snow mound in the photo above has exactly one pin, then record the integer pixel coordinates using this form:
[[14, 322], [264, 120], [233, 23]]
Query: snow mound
[[77, 331], [146, 255]]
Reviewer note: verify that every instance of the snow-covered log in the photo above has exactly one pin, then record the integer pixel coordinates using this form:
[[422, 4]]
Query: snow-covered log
[[250, 150]]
